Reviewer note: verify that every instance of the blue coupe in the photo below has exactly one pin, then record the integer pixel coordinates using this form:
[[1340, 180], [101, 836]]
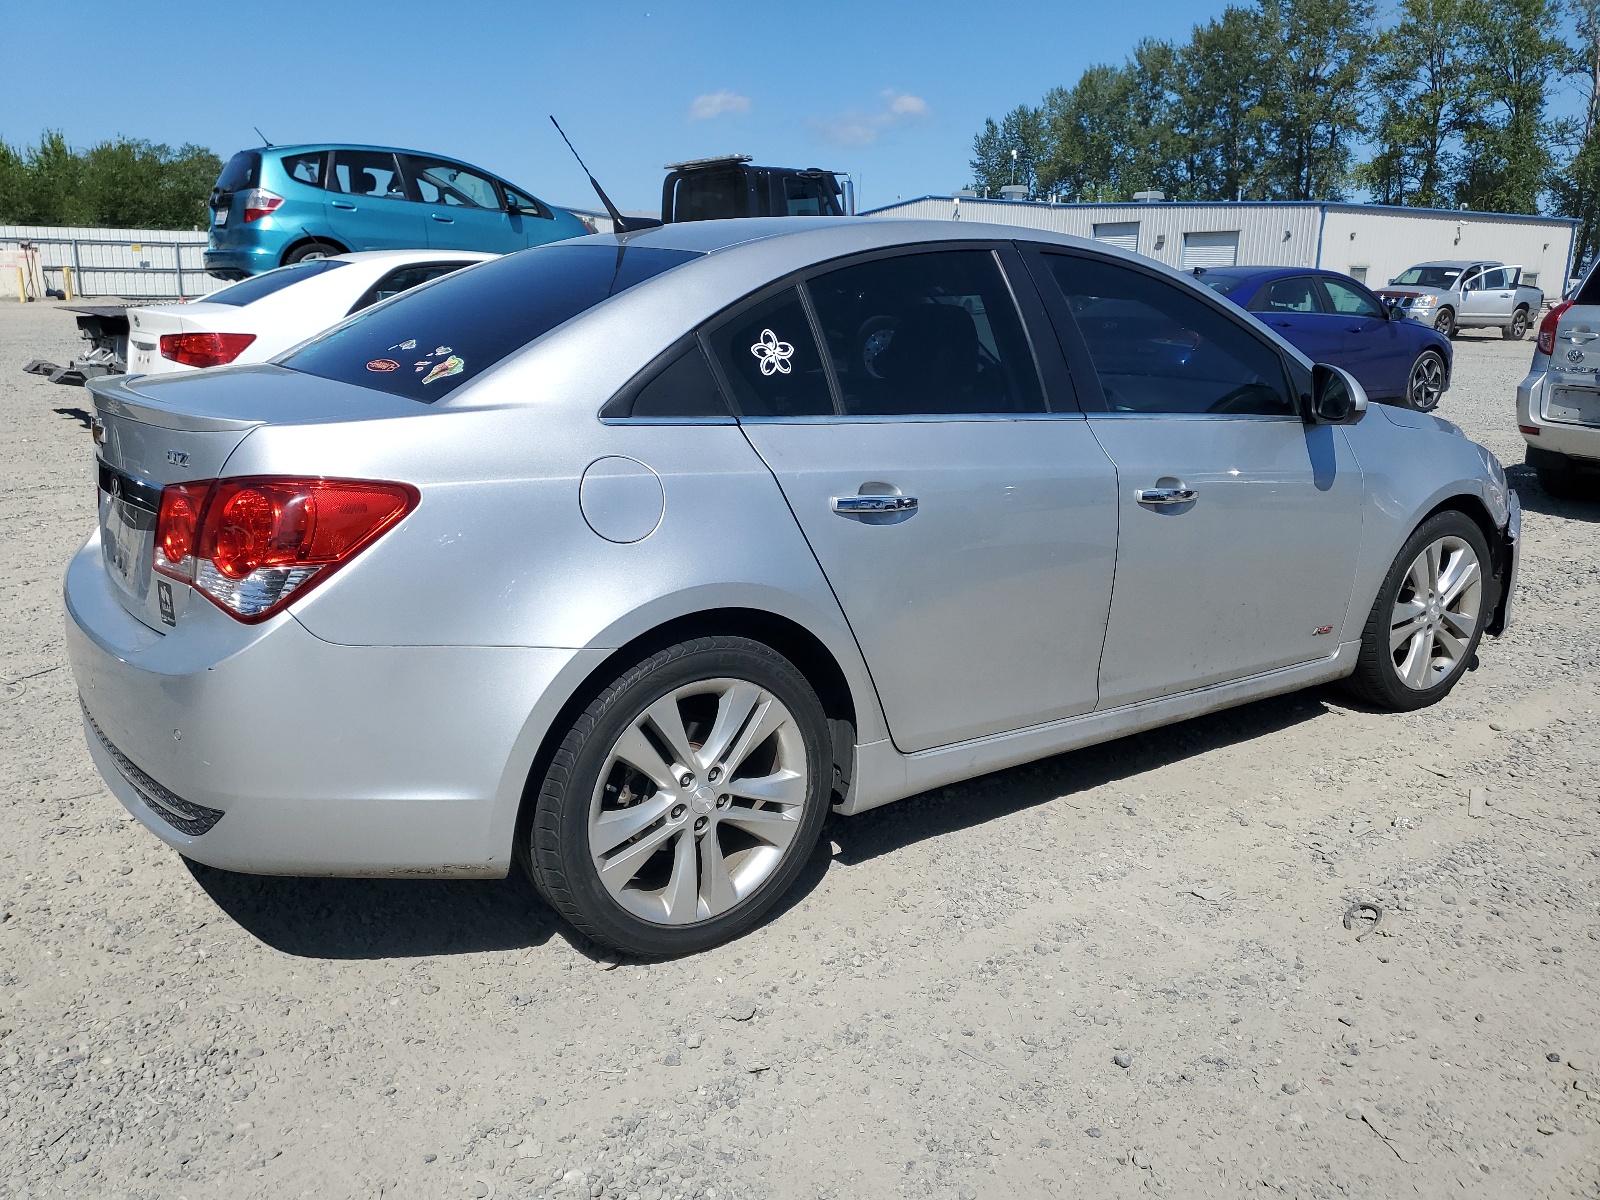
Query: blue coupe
[[1332, 318]]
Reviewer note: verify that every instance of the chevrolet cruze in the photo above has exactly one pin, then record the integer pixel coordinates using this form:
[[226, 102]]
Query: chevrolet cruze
[[628, 558]]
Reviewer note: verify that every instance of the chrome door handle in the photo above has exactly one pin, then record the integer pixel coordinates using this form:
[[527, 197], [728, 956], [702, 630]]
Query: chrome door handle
[[874, 504], [1165, 495], [1580, 338]]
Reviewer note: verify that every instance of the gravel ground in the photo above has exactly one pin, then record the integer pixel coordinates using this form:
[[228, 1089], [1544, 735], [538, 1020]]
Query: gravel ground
[[1115, 971]]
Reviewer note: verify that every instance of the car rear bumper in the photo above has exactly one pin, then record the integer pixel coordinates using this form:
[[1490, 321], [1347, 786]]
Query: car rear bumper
[[270, 751], [1558, 437], [240, 262]]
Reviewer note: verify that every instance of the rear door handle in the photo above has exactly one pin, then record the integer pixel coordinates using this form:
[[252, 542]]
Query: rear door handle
[[849, 505], [343, 205], [444, 220], [1165, 495]]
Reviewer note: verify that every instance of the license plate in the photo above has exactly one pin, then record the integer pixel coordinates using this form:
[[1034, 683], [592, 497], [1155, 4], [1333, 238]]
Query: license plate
[[127, 537], [221, 215], [1579, 406]]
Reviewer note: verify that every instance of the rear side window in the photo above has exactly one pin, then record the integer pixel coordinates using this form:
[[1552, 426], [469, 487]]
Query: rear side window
[[684, 387], [243, 171], [366, 173], [257, 286], [771, 362], [926, 334], [429, 342], [1347, 300], [1157, 349], [439, 182], [403, 280], [309, 169], [1588, 292]]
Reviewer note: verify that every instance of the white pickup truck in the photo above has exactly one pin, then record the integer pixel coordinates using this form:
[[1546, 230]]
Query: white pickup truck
[[1465, 294]]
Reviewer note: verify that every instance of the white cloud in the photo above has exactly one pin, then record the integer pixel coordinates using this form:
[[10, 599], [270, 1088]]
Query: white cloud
[[855, 128], [715, 104]]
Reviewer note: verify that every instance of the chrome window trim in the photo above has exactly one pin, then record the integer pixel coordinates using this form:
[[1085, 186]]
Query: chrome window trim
[[922, 418]]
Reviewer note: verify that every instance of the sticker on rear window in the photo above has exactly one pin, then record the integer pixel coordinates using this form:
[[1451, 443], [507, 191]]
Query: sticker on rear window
[[408, 344], [383, 365], [450, 366], [772, 354]]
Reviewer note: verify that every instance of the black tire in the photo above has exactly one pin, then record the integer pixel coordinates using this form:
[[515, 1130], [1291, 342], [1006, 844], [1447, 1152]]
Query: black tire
[[1426, 382], [306, 251], [1518, 329], [558, 848], [1377, 679], [1445, 322]]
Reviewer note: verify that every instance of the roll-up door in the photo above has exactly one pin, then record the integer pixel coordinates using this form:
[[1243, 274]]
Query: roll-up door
[[1210, 249], [1124, 235]]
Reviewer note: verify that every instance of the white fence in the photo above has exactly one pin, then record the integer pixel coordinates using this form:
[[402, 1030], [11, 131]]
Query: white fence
[[138, 264]]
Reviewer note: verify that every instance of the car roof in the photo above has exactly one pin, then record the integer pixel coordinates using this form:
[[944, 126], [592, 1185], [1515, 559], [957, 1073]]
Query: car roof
[[420, 256], [1458, 264]]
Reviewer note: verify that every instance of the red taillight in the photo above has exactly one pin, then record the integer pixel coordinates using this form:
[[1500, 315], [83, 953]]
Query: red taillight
[[204, 349], [1530, 430], [258, 202], [250, 545], [1547, 327]]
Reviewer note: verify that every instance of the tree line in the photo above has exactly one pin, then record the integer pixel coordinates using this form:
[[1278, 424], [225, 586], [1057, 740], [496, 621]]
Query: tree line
[[1447, 107], [120, 183]]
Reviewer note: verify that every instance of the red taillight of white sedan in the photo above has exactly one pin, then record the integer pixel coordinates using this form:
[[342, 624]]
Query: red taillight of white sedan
[[204, 349], [252, 544]]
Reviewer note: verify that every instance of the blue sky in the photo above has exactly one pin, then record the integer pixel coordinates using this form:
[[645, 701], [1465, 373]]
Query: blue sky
[[891, 92]]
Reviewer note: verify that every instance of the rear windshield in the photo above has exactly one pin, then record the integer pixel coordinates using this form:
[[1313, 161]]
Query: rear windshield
[[257, 286], [1429, 277], [243, 171], [1588, 292], [1221, 281], [427, 342]]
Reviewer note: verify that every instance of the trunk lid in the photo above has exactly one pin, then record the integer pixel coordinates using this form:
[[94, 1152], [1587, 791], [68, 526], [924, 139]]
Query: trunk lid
[[156, 430]]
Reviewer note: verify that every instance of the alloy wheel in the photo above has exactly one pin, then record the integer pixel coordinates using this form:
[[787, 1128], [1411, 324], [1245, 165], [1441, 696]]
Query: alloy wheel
[[1426, 385], [1436, 613], [697, 801]]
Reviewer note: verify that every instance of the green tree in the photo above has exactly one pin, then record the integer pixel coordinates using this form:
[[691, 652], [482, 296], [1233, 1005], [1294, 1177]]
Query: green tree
[[1221, 110], [1508, 141], [1422, 100], [1008, 153], [1088, 129], [118, 183], [1312, 100], [1576, 189]]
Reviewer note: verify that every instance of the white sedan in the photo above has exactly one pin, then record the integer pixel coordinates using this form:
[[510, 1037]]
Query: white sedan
[[260, 317]]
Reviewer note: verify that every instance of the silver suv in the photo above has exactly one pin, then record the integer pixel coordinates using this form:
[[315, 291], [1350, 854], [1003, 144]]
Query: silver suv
[[1558, 404]]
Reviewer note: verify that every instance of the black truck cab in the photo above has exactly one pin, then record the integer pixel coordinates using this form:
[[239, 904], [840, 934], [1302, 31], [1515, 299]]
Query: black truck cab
[[709, 189]]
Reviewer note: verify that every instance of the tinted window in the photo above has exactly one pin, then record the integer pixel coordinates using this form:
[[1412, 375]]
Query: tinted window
[[1588, 292], [450, 184], [1286, 296], [243, 171], [306, 168], [1347, 299], [710, 195], [685, 387], [257, 286], [1430, 277], [431, 341], [367, 173], [404, 280], [1158, 349], [1497, 279], [801, 196], [771, 362], [926, 333]]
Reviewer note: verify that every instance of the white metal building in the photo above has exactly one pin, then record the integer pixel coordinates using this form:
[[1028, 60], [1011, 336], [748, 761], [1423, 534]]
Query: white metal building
[[144, 264], [1371, 242]]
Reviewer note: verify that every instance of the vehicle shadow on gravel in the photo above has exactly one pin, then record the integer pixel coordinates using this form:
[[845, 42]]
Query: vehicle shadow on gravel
[[1534, 498], [1052, 780], [384, 918]]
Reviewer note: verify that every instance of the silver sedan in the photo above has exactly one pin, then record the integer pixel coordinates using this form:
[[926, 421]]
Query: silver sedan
[[628, 558]]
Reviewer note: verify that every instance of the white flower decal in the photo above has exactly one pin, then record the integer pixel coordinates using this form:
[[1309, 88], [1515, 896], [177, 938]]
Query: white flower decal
[[772, 354]]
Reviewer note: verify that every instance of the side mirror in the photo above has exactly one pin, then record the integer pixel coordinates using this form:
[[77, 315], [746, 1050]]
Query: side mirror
[[1336, 397]]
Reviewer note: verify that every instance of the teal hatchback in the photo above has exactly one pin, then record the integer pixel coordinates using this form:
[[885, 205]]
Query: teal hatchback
[[285, 204]]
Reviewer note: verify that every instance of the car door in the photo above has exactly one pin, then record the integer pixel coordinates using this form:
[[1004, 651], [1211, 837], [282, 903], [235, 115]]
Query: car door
[[1500, 294], [371, 210], [464, 208], [967, 525], [1294, 308], [1240, 524], [1376, 350], [1477, 301]]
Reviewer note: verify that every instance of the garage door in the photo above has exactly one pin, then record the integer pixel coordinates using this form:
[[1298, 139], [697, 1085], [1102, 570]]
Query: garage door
[[1210, 249], [1124, 235]]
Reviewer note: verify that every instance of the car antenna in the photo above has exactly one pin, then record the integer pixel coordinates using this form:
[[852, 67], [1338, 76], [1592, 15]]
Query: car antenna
[[263, 137], [618, 222], [316, 241]]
